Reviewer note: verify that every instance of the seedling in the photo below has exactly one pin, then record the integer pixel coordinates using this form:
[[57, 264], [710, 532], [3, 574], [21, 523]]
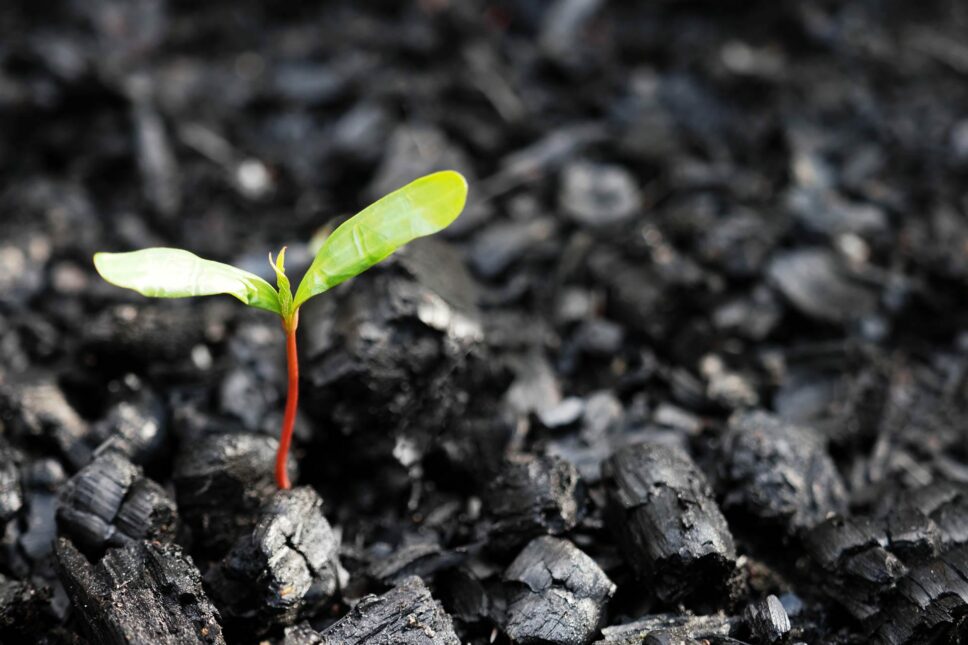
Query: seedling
[[420, 208]]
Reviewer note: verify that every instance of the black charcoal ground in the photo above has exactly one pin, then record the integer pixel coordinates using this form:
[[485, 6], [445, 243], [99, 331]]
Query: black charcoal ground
[[680, 213]]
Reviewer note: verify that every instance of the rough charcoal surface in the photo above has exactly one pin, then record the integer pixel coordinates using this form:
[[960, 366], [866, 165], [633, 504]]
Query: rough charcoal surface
[[778, 473], [930, 604], [143, 592], [534, 496], [556, 594], [287, 565], [767, 620], [220, 483], [405, 615], [671, 531], [109, 502]]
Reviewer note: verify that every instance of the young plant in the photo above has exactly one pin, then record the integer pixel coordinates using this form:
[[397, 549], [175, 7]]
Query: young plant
[[420, 208]]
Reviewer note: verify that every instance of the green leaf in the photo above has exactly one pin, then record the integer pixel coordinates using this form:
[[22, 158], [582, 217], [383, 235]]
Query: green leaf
[[420, 208], [174, 273]]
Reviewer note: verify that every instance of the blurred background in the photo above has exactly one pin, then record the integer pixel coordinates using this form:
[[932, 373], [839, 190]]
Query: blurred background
[[679, 210]]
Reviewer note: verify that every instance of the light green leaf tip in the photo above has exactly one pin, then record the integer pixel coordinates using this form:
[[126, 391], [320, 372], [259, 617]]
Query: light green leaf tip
[[175, 273], [285, 292], [420, 208]]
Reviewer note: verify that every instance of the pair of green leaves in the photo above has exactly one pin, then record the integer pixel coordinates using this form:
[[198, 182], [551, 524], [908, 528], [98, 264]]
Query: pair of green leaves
[[420, 208]]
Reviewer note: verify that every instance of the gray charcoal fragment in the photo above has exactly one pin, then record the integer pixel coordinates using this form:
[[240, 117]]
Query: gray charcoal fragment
[[11, 493], [109, 503], [556, 594], [501, 245], [35, 407], [531, 497], [669, 527], [41, 479], [849, 561], [144, 592], [422, 558], [767, 620], [594, 194], [302, 634], [287, 567], [669, 629], [815, 283], [221, 481], [22, 610], [135, 425], [929, 605], [778, 473], [405, 615]]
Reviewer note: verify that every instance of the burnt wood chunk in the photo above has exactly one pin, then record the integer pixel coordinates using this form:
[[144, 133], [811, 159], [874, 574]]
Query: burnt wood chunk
[[405, 615], [143, 592], [849, 561], [109, 502], [11, 493], [287, 566], [532, 497], [668, 525], [930, 604], [556, 594], [670, 629], [221, 482], [779, 474], [767, 620]]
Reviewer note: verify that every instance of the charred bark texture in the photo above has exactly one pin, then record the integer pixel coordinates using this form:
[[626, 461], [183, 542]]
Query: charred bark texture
[[670, 529]]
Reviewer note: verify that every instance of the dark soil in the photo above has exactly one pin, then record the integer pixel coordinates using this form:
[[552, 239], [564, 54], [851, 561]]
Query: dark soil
[[691, 366]]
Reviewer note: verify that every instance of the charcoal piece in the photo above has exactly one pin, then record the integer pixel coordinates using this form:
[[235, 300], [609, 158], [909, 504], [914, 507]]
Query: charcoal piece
[[595, 194], [636, 294], [109, 502], [288, 566], [669, 527], [912, 536], [41, 479], [221, 481], [556, 594], [143, 592], [405, 615], [946, 504], [531, 497], [36, 408], [814, 282], [930, 604], [849, 561], [669, 629], [392, 362], [562, 26], [22, 610], [464, 596], [156, 159], [501, 245], [767, 620], [778, 473], [11, 493], [136, 425]]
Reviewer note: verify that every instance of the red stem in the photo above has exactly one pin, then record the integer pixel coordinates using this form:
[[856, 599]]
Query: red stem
[[292, 398]]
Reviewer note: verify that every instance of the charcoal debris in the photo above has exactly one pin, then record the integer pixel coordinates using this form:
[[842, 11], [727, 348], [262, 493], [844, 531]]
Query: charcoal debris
[[135, 425], [816, 284], [37, 408], [221, 481], [534, 496], [11, 493], [767, 620], [143, 592], [288, 566], [405, 615], [109, 503], [670, 629], [778, 473], [556, 594], [598, 194], [671, 531], [22, 610]]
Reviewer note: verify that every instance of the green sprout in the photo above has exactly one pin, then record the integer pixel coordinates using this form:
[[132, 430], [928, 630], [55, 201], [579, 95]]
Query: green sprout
[[420, 208]]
